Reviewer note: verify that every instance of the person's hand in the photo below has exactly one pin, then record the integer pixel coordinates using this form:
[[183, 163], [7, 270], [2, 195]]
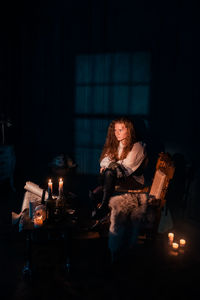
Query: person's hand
[[113, 165], [102, 169], [118, 168]]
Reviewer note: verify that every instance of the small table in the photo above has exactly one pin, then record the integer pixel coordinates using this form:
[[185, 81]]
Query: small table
[[61, 227]]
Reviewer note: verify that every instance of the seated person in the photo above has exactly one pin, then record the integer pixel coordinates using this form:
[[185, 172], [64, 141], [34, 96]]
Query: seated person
[[121, 163]]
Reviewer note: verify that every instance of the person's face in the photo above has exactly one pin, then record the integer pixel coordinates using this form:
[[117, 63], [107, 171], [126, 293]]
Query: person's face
[[121, 132]]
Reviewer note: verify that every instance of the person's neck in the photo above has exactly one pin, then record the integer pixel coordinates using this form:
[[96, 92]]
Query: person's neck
[[123, 142]]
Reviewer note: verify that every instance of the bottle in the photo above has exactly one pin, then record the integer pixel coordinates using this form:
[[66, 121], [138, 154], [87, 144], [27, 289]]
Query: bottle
[[43, 196]]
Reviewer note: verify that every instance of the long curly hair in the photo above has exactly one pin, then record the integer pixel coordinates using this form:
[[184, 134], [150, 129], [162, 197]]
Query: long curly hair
[[111, 145]]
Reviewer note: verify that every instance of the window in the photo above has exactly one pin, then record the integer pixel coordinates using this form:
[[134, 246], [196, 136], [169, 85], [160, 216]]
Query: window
[[106, 85]]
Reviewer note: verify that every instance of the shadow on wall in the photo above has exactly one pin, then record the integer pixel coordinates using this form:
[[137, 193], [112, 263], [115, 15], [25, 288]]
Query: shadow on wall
[[153, 144], [176, 200], [182, 196], [192, 192]]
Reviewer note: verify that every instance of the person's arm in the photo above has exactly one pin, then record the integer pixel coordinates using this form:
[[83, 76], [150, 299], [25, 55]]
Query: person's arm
[[134, 159], [101, 170], [105, 162]]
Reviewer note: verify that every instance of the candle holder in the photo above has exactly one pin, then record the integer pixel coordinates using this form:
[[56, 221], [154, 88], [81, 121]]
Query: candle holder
[[61, 199], [50, 205], [61, 205], [50, 202]]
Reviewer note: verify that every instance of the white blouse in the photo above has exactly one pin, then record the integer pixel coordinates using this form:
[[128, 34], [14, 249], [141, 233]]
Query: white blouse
[[132, 161]]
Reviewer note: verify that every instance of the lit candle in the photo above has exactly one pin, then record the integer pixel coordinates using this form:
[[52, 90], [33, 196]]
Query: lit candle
[[170, 237], [182, 243], [175, 246], [60, 186], [50, 185], [38, 221]]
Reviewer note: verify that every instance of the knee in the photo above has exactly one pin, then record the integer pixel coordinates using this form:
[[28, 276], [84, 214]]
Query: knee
[[110, 173]]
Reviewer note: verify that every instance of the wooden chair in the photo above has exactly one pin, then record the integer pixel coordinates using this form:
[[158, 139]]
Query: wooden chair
[[163, 174], [156, 192]]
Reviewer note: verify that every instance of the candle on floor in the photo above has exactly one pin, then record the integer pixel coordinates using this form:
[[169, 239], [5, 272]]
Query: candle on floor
[[175, 246], [182, 243], [170, 238]]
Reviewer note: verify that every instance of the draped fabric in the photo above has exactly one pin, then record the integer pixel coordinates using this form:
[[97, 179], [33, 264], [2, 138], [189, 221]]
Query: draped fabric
[[128, 212]]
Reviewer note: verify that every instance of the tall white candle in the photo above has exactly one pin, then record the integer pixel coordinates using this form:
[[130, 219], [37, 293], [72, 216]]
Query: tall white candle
[[60, 186], [50, 186]]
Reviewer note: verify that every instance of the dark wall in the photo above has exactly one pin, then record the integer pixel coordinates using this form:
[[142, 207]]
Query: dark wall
[[39, 43]]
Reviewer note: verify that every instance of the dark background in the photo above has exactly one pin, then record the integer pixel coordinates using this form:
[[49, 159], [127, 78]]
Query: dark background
[[39, 41]]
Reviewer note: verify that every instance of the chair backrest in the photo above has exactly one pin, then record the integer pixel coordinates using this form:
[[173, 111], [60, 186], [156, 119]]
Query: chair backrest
[[163, 174]]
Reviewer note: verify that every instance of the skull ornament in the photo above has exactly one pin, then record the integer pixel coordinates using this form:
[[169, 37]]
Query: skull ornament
[[40, 210]]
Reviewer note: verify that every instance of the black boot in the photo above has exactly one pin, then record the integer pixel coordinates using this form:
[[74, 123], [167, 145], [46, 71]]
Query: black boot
[[108, 189], [101, 211]]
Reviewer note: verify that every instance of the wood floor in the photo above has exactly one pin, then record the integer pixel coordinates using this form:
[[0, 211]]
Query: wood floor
[[147, 271]]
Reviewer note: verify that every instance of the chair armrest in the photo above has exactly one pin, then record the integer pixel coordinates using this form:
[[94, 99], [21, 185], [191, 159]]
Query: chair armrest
[[119, 189]]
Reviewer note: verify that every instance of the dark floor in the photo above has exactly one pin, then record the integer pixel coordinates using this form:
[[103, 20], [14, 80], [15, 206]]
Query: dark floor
[[147, 271]]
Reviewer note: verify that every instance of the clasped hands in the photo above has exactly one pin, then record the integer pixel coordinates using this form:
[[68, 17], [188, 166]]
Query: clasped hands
[[114, 166]]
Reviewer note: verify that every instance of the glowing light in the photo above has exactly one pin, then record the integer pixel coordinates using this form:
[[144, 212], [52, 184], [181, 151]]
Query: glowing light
[[50, 185], [182, 242], [175, 246], [170, 237]]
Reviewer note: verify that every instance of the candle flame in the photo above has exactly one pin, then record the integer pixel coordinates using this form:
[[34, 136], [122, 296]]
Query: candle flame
[[170, 237], [175, 245], [182, 242], [170, 234]]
